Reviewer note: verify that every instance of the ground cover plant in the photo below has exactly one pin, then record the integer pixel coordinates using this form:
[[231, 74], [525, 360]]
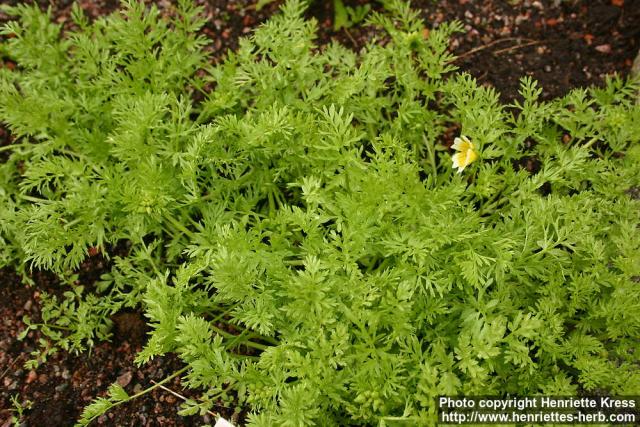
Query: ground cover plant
[[299, 234]]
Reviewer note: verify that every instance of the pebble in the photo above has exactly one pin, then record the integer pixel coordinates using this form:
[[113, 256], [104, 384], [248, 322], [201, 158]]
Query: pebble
[[522, 18], [547, 68], [125, 379], [604, 48], [62, 387], [7, 382], [31, 377], [552, 22]]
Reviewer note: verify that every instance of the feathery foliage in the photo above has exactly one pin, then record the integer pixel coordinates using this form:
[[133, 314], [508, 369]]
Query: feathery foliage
[[298, 235]]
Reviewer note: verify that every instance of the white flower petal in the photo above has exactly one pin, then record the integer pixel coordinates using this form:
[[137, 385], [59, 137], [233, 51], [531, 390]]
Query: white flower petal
[[456, 160], [223, 423]]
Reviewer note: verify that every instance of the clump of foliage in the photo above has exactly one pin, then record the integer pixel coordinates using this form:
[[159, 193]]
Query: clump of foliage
[[343, 16], [298, 234]]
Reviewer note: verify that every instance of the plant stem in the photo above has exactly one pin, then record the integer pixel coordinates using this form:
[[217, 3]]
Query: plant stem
[[178, 395], [164, 381], [179, 226], [143, 392], [246, 342], [12, 146], [35, 199], [432, 159]]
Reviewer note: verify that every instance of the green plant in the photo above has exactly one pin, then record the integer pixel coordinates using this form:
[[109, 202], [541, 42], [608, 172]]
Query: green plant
[[347, 16], [299, 236], [343, 17], [18, 409]]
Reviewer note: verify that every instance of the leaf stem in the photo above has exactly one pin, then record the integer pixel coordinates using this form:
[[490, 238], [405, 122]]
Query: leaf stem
[[12, 146], [35, 199], [235, 339], [432, 159], [129, 398], [179, 226]]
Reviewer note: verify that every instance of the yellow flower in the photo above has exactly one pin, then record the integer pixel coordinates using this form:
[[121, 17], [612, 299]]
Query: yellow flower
[[466, 153]]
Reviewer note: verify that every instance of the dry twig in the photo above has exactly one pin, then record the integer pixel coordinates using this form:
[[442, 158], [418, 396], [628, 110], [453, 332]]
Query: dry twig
[[178, 395], [495, 42]]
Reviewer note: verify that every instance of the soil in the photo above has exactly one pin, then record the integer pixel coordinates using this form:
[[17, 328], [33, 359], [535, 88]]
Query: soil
[[563, 44]]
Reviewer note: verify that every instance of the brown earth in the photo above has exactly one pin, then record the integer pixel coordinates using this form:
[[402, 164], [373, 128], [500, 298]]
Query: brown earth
[[562, 44]]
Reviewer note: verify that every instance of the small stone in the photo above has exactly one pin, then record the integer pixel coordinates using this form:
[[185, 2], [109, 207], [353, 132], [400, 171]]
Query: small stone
[[604, 48], [31, 377], [10, 384], [125, 379], [62, 387], [547, 68], [522, 18]]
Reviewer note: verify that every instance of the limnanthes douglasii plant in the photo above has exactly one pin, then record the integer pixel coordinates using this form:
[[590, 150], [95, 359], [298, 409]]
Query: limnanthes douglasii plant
[[298, 233]]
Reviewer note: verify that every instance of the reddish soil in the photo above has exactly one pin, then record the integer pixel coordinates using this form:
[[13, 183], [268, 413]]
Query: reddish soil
[[562, 44]]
